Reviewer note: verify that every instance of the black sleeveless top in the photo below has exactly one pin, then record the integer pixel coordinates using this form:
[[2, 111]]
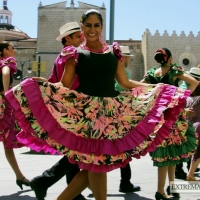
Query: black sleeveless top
[[167, 78], [162, 79], [96, 72]]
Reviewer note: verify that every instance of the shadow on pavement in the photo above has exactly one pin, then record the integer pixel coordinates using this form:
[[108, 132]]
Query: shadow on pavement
[[16, 196], [34, 152], [127, 196], [39, 153]]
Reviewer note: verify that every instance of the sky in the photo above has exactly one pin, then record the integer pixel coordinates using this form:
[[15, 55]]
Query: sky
[[132, 17]]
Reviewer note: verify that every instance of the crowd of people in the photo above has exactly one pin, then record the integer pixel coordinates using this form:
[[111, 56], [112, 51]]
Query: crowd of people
[[91, 112]]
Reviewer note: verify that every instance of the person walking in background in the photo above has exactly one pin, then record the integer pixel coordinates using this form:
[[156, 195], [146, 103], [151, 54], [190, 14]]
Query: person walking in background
[[94, 125], [125, 184], [125, 59], [193, 116], [7, 118], [69, 36], [181, 142], [179, 171]]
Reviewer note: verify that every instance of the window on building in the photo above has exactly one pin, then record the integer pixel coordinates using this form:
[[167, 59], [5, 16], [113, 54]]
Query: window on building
[[1, 19], [6, 20], [186, 61]]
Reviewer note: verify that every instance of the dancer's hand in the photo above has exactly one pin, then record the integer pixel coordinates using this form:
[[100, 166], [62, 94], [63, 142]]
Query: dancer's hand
[[40, 79], [190, 112], [59, 84]]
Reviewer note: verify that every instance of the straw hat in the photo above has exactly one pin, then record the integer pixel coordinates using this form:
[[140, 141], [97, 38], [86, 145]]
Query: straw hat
[[194, 71], [125, 51], [68, 29]]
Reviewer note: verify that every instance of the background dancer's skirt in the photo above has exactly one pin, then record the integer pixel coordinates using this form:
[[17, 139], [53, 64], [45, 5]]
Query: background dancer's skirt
[[178, 146], [8, 125]]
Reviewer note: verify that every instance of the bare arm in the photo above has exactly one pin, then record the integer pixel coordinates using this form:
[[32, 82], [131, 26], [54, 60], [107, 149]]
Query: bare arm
[[192, 82], [6, 78], [190, 112], [69, 73], [40, 79], [123, 80], [58, 84]]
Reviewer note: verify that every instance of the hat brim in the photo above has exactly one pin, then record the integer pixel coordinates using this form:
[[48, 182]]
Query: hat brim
[[59, 38], [127, 54], [188, 72]]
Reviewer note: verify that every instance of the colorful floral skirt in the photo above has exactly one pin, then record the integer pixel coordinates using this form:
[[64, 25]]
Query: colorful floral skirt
[[98, 133], [179, 146], [8, 125], [196, 126]]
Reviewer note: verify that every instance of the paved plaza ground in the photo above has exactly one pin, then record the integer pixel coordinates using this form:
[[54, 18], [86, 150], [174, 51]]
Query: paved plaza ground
[[33, 164]]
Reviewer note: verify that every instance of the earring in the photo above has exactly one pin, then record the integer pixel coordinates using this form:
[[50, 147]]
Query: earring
[[82, 37]]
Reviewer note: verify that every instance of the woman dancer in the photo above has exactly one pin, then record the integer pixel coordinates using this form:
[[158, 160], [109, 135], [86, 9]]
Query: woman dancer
[[7, 119], [95, 126], [181, 142]]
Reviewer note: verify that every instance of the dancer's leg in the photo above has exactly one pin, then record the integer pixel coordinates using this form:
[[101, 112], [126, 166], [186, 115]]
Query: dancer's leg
[[162, 173], [171, 173], [98, 184], [193, 167], [10, 156], [76, 186]]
